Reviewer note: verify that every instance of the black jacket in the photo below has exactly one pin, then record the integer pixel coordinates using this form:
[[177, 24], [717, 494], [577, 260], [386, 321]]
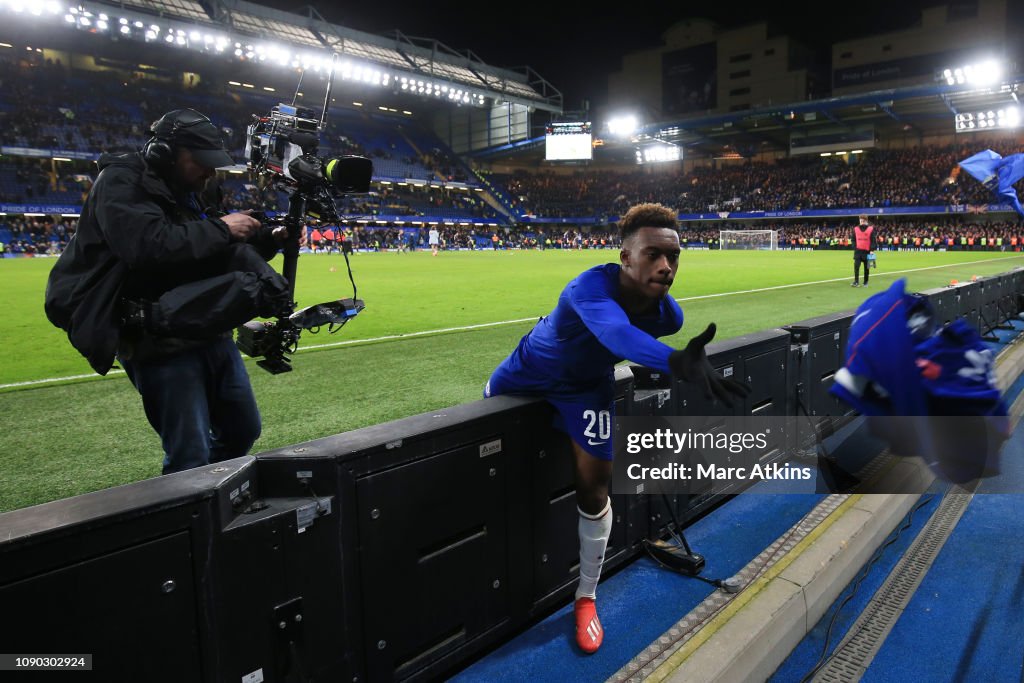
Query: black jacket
[[135, 238]]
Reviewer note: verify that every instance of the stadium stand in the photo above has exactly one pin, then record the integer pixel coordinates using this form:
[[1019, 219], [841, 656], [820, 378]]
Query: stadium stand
[[63, 111], [921, 176]]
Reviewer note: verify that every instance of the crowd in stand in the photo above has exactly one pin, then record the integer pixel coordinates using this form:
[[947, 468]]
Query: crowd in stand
[[897, 235], [372, 238], [42, 235], [912, 234], [56, 109], [27, 179], [417, 200], [46, 105], [920, 176], [382, 200], [35, 236], [915, 233]]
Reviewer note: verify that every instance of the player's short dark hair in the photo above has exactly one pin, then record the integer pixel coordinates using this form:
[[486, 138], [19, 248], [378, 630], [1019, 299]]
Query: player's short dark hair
[[647, 216]]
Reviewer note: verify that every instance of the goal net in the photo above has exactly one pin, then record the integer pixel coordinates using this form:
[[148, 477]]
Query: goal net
[[763, 240]]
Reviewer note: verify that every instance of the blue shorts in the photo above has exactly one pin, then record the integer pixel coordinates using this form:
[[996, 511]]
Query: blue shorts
[[586, 417], [588, 423]]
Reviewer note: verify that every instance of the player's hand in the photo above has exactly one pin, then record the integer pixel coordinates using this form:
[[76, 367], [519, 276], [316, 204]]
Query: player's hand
[[241, 224], [692, 365]]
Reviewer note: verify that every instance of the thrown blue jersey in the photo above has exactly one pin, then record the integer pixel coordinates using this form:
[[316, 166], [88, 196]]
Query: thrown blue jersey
[[898, 365], [574, 350]]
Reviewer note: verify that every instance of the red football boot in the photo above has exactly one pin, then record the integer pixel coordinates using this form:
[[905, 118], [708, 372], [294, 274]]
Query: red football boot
[[589, 634]]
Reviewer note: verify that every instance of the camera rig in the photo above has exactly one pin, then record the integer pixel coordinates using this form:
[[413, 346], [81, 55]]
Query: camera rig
[[282, 147]]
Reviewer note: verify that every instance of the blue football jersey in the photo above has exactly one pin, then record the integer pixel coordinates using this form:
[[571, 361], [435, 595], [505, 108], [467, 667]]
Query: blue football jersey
[[898, 364], [574, 349]]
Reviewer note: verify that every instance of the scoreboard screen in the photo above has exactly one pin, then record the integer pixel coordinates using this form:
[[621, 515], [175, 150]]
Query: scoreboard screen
[[569, 142]]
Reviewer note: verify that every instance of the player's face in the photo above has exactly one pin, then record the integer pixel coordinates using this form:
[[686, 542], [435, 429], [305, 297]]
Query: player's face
[[650, 258]]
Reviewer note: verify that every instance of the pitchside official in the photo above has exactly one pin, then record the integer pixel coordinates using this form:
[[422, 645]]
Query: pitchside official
[[863, 244], [606, 314]]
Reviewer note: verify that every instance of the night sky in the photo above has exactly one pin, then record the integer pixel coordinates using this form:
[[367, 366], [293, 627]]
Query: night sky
[[574, 46]]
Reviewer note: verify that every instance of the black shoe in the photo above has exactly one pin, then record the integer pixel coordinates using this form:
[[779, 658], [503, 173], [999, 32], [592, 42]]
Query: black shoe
[[855, 284]]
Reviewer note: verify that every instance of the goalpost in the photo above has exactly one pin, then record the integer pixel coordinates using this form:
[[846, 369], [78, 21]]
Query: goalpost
[[762, 240]]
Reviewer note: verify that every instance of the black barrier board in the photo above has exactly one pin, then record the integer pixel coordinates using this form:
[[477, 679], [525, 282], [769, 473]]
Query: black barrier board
[[969, 303], [819, 351], [102, 559]]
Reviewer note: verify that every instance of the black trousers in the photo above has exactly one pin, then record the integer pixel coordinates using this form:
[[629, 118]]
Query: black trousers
[[860, 256]]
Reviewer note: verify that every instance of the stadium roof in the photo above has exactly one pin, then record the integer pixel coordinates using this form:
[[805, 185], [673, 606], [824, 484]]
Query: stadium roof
[[919, 111], [909, 112], [254, 32]]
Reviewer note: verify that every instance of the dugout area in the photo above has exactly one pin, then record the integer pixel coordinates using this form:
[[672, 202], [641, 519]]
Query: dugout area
[[441, 546]]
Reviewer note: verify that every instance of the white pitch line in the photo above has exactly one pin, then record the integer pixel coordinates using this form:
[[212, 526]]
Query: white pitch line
[[466, 328], [844, 279], [34, 382]]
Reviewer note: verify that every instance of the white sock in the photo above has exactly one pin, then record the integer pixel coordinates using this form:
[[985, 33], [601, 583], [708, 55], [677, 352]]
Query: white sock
[[594, 533]]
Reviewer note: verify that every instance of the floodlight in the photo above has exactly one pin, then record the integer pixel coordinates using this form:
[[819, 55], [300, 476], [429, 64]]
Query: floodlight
[[984, 73], [623, 126], [989, 119]]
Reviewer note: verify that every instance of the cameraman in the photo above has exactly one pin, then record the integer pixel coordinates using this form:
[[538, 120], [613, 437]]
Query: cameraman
[[157, 278]]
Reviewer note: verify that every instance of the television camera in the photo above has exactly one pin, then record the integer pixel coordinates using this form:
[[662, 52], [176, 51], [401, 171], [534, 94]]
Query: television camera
[[281, 148]]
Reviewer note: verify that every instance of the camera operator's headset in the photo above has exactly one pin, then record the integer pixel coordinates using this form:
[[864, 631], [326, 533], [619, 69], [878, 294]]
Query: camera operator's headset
[[159, 151]]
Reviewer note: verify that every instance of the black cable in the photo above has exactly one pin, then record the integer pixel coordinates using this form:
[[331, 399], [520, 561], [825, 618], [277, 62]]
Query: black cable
[[700, 623], [717, 583], [825, 658], [819, 442], [720, 583], [803, 408], [831, 464], [818, 438], [350, 277]]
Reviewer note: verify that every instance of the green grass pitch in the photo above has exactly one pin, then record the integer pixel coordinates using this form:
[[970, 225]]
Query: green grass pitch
[[432, 331]]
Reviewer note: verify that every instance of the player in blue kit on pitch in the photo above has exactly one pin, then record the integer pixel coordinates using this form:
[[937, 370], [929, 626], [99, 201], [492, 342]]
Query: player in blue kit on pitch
[[607, 314]]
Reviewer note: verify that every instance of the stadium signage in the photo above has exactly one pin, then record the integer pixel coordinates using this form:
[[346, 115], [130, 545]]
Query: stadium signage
[[39, 208], [839, 213], [47, 153]]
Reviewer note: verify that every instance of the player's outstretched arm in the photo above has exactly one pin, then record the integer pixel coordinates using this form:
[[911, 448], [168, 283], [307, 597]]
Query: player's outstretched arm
[[692, 365]]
